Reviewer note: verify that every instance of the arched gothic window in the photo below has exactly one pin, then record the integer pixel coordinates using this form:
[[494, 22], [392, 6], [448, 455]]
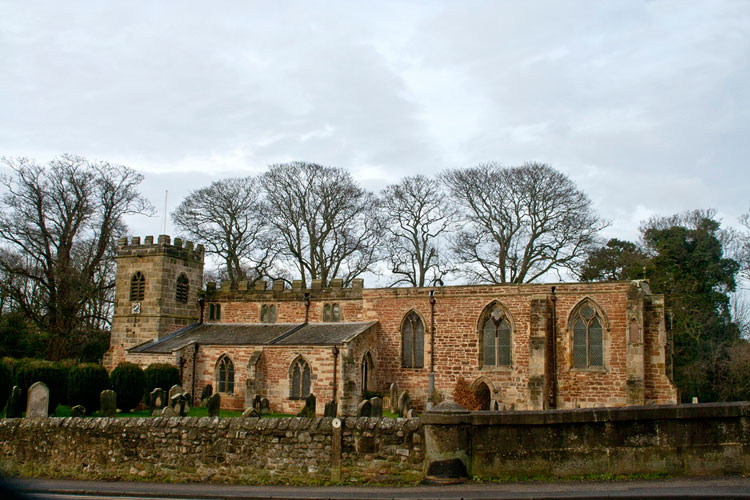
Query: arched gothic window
[[588, 337], [268, 314], [331, 312], [137, 287], [412, 341], [183, 286], [495, 341], [300, 375], [225, 375]]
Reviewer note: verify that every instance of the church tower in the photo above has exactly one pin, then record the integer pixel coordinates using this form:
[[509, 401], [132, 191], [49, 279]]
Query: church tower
[[156, 291]]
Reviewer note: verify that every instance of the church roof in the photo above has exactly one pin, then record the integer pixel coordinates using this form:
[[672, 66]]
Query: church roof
[[255, 334]]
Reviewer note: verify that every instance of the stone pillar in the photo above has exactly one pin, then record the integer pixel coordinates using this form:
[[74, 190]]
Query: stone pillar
[[539, 330], [635, 349], [447, 433]]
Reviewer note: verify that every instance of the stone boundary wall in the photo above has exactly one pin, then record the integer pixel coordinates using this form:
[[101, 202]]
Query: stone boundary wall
[[238, 450], [699, 439]]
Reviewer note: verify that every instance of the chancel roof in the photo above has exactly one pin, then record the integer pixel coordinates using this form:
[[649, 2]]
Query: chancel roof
[[255, 334]]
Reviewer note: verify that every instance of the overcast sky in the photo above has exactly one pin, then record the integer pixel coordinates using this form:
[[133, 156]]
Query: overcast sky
[[645, 105]]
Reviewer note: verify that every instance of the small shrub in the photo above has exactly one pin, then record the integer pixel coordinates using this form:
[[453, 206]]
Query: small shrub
[[6, 384], [129, 382], [161, 375], [28, 371], [85, 384], [462, 395]]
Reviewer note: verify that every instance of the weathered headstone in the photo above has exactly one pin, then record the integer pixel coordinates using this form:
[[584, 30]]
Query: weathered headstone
[[404, 404], [108, 403], [410, 413], [364, 409], [175, 389], [168, 411], [308, 410], [265, 406], [250, 412], [157, 400], [179, 403], [206, 393], [37, 403], [15, 409], [213, 405], [330, 409], [78, 411], [394, 397], [377, 407]]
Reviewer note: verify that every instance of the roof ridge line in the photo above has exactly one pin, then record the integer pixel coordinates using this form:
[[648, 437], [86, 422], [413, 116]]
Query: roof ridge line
[[286, 334]]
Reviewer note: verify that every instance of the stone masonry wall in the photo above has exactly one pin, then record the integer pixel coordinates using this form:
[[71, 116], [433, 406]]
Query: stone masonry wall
[[252, 450]]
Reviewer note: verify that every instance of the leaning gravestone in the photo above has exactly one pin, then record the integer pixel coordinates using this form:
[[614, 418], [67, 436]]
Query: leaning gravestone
[[14, 403], [206, 393], [213, 405], [404, 404], [330, 409], [394, 397], [157, 400], [175, 389], [37, 404], [250, 412], [364, 409], [376, 407], [410, 413], [108, 403], [78, 411], [168, 411]]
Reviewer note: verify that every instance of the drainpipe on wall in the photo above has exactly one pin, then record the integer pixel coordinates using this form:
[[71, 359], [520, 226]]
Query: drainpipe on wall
[[335, 351], [307, 307], [195, 357], [552, 402], [432, 345]]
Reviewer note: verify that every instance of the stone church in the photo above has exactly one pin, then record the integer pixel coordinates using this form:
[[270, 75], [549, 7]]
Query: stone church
[[520, 347]]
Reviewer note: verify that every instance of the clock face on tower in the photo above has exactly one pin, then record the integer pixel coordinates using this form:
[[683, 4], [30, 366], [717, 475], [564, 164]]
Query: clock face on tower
[[135, 308]]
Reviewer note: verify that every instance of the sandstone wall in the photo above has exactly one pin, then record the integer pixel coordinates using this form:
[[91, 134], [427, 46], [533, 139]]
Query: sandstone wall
[[235, 450]]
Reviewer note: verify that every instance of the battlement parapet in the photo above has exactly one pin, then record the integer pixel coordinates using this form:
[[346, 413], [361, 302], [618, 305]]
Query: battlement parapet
[[178, 248], [277, 289]]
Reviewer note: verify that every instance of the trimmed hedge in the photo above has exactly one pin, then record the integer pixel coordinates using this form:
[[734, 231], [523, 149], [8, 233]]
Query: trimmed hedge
[[54, 375], [129, 382], [85, 384], [6, 384], [161, 375]]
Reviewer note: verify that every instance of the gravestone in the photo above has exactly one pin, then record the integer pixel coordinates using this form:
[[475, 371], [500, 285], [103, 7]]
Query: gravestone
[[78, 411], [14, 403], [206, 393], [364, 409], [157, 400], [377, 407], [37, 404], [108, 403], [404, 404], [168, 411], [265, 406], [410, 413], [330, 409], [308, 411], [213, 405], [176, 389], [179, 403], [394, 394], [250, 412], [256, 401]]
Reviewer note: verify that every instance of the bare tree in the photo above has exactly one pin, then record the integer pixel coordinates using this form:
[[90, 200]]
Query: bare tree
[[327, 223], [227, 217], [417, 217], [521, 222], [58, 226]]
